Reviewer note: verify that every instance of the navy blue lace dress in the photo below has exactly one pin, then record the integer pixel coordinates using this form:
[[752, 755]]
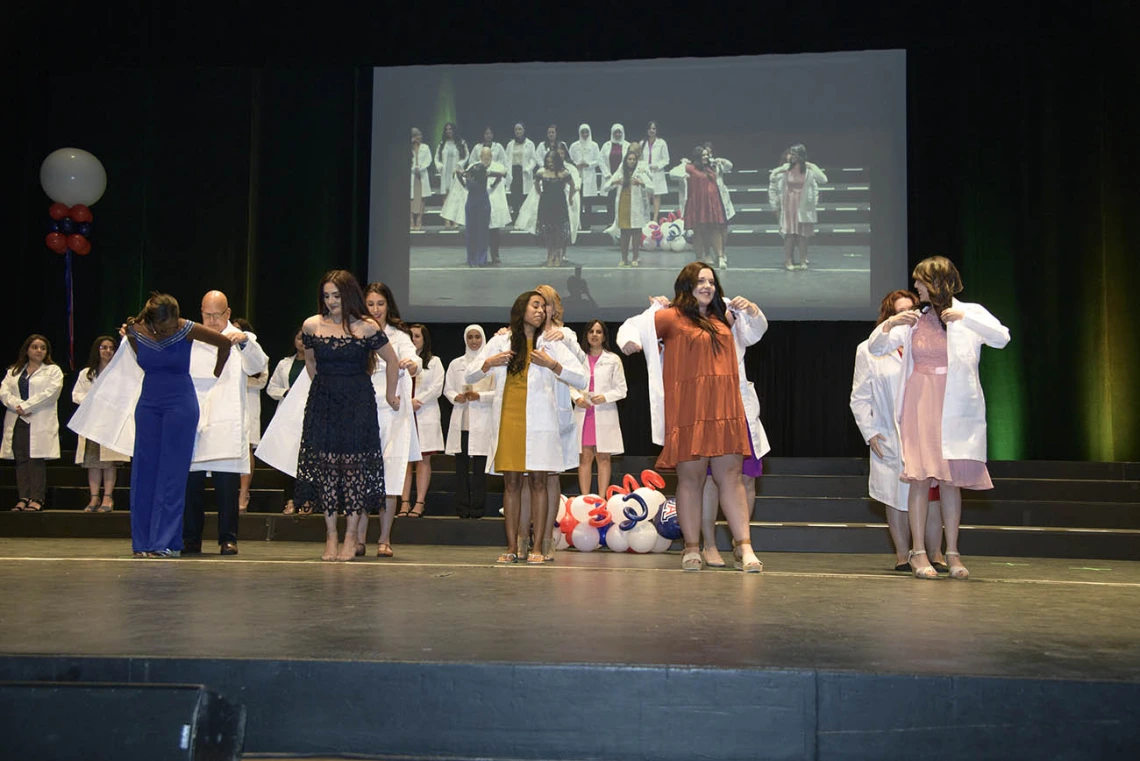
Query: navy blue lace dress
[[340, 465]]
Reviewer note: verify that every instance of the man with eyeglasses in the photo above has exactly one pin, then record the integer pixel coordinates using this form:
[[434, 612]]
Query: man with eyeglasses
[[223, 432]]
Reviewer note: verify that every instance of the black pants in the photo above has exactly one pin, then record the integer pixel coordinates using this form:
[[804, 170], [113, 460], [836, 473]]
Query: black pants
[[31, 473], [470, 481], [515, 196], [226, 487]]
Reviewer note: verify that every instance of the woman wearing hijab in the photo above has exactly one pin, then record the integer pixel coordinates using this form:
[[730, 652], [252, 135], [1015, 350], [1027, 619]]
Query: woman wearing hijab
[[612, 154], [587, 157], [467, 434]]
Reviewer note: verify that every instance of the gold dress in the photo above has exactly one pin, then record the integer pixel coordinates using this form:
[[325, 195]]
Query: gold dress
[[510, 451]]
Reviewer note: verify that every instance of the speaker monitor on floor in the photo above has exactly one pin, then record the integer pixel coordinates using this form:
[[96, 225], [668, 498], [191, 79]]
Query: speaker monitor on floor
[[67, 720]]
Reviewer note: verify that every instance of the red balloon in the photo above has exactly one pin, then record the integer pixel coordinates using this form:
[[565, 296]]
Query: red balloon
[[79, 244], [57, 242], [80, 213], [58, 211]]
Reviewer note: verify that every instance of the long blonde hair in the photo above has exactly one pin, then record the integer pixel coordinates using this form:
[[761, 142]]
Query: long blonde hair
[[553, 304]]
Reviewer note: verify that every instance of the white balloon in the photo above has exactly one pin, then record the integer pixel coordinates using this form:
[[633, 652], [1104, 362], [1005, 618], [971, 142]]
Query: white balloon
[[617, 540], [560, 542], [663, 544], [643, 537], [72, 176], [585, 538]]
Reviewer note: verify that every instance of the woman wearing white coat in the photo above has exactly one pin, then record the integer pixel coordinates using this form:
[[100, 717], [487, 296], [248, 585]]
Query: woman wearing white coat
[[793, 193], [420, 179], [940, 412], [587, 158], [521, 161], [595, 409], [526, 425], [425, 402], [29, 393], [631, 212], [469, 427], [655, 157], [450, 156], [873, 387], [101, 463], [284, 375], [612, 154]]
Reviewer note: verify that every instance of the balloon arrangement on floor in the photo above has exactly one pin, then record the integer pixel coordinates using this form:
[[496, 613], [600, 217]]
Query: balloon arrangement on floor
[[74, 180], [634, 517], [666, 234]]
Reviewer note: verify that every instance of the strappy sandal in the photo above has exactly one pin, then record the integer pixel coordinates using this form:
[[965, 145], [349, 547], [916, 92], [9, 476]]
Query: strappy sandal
[[21, 506], [414, 514], [926, 572], [535, 558], [92, 504], [507, 558], [957, 570], [33, 507], [290, 508], [752, 566], [691, 559], [384, 550], [106, 508], [403, 511]]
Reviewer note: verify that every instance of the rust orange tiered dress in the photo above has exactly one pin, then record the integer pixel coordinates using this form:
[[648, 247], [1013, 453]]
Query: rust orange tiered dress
[[704, 414]]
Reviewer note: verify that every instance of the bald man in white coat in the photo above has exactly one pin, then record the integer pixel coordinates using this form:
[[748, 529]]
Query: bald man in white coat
[[226, 472]]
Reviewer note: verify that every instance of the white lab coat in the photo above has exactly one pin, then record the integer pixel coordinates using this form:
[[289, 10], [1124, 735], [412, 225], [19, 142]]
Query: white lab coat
[[473, 417], [44, 387], [528, 213], [421, 163], [546, 422], [447, 159], [609, 381], [253, 386], [107, 414], [574, 202], [587, 152], [529, 163], [223, 424], [279, 381], [455, 207], [639, 209], [873, 387], [429, 385], [657, 162], [777, 183], [79, 392], [724, 166], [964, 406], [604, 151], [498, 154], [679, 174], [641, 330], [398, 434]]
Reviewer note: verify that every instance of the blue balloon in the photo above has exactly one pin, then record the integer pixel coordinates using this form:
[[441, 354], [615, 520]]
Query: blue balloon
[[632, 514], [666, 521], [602, 535], [84, 229], [66, 226], [53, 226]]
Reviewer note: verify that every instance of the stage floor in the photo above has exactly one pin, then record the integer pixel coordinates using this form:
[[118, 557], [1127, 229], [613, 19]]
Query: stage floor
[[1045, 618]]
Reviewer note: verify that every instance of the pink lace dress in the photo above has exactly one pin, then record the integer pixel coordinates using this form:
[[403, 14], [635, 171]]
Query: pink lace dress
[[921, 424]]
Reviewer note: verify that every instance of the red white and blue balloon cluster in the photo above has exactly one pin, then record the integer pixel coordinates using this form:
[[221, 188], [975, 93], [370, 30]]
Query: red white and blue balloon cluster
[[666, 234], [634, 517], [74, 180]]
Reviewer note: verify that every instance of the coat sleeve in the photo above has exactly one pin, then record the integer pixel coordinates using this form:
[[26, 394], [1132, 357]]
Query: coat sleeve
[[453, 381], [978, 319], [619, 390], [81, 388], [748, 329], [862, 405], [573, 374], [430, 391], [662, 158], [820, 176], [279, 383], [49, 393], [9, 391], [475, 366], [253, 357], [774, 200], [880, 344]]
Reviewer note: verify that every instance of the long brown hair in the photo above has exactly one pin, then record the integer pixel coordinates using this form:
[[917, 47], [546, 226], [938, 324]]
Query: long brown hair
[[686, 303], [425, 353], [22, 357], [351, 297], [584, 341], [887, 306], [518, 332], [393, 316], [941, 278], [93, 358]]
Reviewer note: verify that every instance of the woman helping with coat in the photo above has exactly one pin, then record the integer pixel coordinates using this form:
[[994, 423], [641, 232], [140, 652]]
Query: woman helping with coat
[[29, 393], [595, 409], [940, 411]]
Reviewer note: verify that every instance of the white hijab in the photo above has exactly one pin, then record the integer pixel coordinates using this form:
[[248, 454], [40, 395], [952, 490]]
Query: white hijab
[[589, 134], [468, 354], [614, 129]]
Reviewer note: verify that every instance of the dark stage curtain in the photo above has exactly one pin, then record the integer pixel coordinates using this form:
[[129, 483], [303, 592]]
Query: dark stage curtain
[[255, 180]]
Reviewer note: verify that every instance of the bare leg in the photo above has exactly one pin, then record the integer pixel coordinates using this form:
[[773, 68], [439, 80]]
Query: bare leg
[[626, 238], [917, 504], [656, 206], [407, 494], [635, 244], [387, 518], [605, 470], [553, 493], [348, 548], [934, 532], [423, 482], [244, 483], [690, 485], [524, 516], [586, 471], [897, 523], [733, 503], [789, 251], [512, 507], [94, 477], [710, 506], [330, 537], [538, 507], [801, 241], [716, 236], [952, 519], [109, 478]]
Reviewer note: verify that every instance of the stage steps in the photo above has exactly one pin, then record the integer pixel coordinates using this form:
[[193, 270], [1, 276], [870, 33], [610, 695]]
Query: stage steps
[[1037, 509]]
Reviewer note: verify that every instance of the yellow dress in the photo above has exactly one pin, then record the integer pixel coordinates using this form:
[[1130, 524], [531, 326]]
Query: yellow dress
[[510, 451]]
